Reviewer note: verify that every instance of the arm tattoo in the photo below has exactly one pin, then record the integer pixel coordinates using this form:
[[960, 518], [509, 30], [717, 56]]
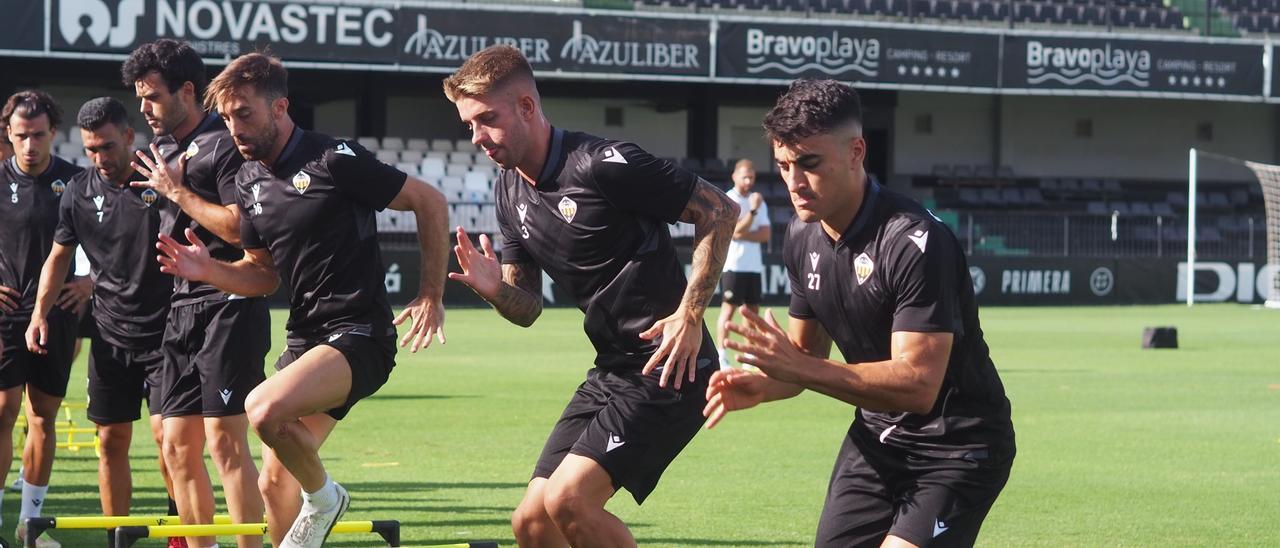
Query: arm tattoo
[[713, 215], [519, 298]]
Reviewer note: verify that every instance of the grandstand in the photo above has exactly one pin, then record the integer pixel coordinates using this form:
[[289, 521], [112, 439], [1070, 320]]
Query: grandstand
[[1024, 158]]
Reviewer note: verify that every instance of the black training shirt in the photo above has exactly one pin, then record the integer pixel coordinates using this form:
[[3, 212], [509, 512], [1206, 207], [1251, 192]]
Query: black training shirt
[[28, 216], [212, 163], [596, 224], [898, 268], [117, 226], [314, 212]]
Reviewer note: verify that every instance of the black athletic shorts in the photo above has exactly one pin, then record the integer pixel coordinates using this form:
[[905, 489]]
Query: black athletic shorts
[[214, 353], [119, 379], [740, 287], [878, 490], [49, 372], [370, 358], [625, 422], [88, 327]]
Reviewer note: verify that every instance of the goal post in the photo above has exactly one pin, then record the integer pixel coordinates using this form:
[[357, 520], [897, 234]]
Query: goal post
[[1268, 177]]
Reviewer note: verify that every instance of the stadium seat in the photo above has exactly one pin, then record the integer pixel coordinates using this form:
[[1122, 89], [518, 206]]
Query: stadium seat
[[1162, 209], [74, 137], [370, 143], [1097, 208], [461, 158], [413, 156], [1033, 196], [457, 169], [464, 145], [409, 168], [476, 180], [445, 145], [392, 143], [1119, 207], [418, 144], [387, 156], [1140, 208], [432, 168]]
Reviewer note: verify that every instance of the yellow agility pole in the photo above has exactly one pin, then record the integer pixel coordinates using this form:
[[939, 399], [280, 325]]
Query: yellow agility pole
[[126, 536], [37, 526]]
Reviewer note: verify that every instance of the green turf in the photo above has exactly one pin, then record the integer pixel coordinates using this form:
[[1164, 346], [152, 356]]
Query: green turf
[[1117, 446]]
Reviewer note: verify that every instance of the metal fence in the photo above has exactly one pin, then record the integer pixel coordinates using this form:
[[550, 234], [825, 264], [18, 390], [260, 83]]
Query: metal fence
[[1220, 236]]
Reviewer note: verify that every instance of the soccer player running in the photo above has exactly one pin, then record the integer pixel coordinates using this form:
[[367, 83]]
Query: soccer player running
[[215, 342], [307, 212], [31, 183], [742, 284], [592, 213], [932, 443], [116, 225]]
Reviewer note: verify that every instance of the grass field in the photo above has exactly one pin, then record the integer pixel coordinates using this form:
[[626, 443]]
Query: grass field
[[1117, 446]]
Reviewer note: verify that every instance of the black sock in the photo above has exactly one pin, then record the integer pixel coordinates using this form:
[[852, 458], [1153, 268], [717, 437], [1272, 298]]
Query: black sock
[[173, 507]]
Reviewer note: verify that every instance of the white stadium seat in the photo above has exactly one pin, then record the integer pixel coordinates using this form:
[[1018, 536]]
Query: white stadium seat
[[457, 169], [392, 143], [413, 156], [461, 158], [410, 168], [464, 145], [477, 180], [74, 137], [442, 155], [370, 143], [388, 156], [417, 143], [432, 168], [442, 145]]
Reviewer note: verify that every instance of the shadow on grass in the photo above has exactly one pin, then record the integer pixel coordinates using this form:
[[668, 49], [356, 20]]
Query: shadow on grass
[[407, 486], [669, 541], [415, 397]]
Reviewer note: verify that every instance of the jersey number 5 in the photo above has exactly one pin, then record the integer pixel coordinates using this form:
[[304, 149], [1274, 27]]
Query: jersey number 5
[[815, 281]]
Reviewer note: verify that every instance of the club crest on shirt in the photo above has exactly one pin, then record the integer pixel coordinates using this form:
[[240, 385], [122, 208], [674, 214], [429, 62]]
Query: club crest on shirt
[[302, 182], [862, 267], [523, 210], [813, 260], [149, 197], [192, 150], [568, 208], [58, 186]]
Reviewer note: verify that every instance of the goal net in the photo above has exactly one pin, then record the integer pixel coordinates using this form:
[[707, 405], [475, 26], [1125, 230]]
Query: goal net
[[1268, 176]]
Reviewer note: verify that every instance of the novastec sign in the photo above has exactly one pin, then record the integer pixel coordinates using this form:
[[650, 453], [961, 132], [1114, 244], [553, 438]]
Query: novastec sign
[[295, 30], [1078, 63], [780, 51]]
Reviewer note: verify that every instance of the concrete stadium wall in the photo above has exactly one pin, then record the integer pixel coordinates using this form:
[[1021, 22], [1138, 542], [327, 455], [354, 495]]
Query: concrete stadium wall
[[1132, 138], [660, 133]]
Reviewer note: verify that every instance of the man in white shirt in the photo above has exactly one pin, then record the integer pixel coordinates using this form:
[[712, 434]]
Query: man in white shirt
[[741, 282]]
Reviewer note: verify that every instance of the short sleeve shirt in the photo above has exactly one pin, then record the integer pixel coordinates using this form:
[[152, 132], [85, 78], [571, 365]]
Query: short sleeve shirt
[[898, 268], [116, 227], [314, 212], [596, 224], [212, 164], [28, 217]]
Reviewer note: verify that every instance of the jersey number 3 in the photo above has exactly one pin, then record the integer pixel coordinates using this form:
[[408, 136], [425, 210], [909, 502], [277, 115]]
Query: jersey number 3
[[815, 281]]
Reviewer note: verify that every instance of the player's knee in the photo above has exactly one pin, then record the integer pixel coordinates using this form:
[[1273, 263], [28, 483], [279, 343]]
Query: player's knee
[[564, 503], [225, 449], [177, 453], [113, 444], [40, 424], [263, 415], [272, 484], [527, 522]]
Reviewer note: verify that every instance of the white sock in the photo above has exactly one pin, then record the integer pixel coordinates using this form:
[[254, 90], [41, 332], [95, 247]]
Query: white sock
[[32, 501], [325, 497]]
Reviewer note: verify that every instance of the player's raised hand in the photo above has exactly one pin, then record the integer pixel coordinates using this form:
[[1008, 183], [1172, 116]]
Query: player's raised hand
[[428, 321], [731, 390], [190, 262], [9, 298], [37, 335], [766, 346], [681, 339], [480, 269], [160, 177]]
